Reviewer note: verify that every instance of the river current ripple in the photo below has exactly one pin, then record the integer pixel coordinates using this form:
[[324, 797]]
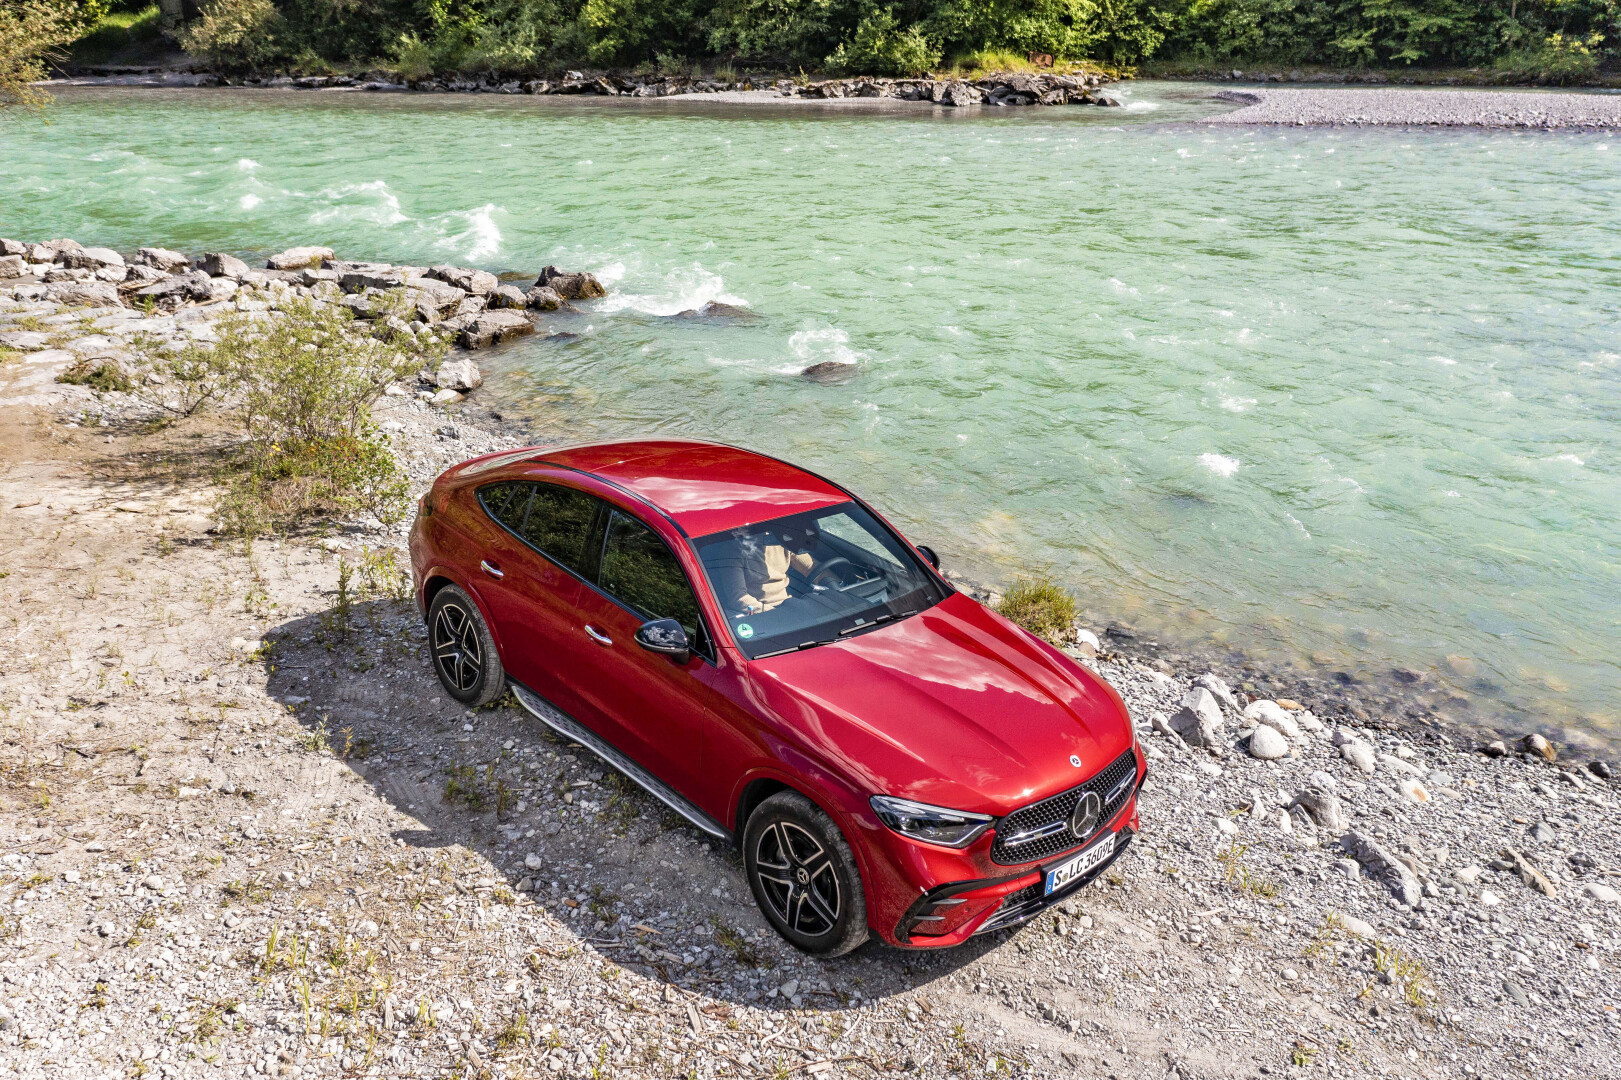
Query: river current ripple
[[1341, 401]]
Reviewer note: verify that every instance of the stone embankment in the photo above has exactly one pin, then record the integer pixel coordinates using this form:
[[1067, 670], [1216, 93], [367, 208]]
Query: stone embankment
[[165, 296], [1081, 88]]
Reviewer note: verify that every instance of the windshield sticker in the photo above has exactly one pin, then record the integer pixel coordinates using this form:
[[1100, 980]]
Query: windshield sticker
[[744, 630]]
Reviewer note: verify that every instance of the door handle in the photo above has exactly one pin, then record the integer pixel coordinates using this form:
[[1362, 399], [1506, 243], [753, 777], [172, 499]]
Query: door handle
[[493, 571], [598, 636]]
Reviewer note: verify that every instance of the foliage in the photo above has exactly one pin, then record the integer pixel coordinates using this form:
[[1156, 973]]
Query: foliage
[[32, 33], [275, 486], [1547, 40], [116, 32], [1041, 607], [101, 375], [234, 33]]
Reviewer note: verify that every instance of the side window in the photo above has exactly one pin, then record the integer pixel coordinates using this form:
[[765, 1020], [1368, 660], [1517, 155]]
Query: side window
[[506, 503], [640, 571], [559, 523]]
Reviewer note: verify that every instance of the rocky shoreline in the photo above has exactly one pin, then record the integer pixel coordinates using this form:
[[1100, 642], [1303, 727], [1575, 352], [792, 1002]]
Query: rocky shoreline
[[1421, 107], [1010, 89], [243, 833]]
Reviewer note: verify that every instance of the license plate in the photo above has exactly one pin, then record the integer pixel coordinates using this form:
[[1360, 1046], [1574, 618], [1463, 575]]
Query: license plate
[[1080, 865]]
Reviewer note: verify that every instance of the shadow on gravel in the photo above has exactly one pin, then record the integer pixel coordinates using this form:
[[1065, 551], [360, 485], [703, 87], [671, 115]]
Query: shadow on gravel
[[628, 878]]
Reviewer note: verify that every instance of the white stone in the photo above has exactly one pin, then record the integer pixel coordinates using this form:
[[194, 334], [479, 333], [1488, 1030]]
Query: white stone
[[1414, 791], [1489, 898], [1268, 744], [1601, 892], [1355, 926]]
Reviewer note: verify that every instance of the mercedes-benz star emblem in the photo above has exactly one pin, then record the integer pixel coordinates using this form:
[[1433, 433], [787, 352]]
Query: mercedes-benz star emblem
[[1075, 760], [1085, 817]]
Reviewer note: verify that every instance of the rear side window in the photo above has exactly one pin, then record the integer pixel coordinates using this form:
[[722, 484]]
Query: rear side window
[[506, 503], [642, 573], [559, 523]]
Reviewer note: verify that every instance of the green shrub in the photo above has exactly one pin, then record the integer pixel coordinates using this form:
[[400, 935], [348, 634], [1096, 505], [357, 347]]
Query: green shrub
[[1041, 607], [274, 486], [879, 47], [1558, 60], [234, 33], [118, 32], [101, 375], [32, 32]]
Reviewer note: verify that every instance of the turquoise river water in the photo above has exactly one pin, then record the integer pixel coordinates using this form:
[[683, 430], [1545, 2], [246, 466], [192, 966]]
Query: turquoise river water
[[1342, 400]]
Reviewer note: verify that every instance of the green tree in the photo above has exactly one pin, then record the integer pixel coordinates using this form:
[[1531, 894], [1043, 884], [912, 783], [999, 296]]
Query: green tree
[[32, 33]]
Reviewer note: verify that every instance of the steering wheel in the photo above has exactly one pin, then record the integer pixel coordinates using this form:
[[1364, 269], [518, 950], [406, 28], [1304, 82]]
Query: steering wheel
[[831, 569]]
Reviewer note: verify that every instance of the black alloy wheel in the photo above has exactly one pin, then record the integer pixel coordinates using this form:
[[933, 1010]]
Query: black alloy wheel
[[464, 655], [804, 876]]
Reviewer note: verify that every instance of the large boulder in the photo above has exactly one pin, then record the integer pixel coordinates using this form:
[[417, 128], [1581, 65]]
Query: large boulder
[[544, 298], [1199, 719], [442, 297], [142, 275], [219, 264], [162, 258], [12, 247], [380, 276], [506, 296], [92, 258], [492, 327], [1272, 715], [571, 286], [174, 291], [13, 266], [1323, 808], [477, 282], [93, 293], [1218, 689], [1268, 744], [458, 375], [298, 258]]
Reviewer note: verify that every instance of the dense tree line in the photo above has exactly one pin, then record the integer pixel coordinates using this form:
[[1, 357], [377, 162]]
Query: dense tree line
[[1560, 39]]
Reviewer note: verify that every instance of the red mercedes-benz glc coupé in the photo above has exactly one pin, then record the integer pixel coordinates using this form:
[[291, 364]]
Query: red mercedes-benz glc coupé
[[763, 653]]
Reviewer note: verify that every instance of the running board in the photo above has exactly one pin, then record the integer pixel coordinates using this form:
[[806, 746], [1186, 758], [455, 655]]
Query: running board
[[570, 728]]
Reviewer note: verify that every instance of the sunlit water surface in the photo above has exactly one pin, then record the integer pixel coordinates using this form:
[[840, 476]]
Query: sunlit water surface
[[1346, 399]]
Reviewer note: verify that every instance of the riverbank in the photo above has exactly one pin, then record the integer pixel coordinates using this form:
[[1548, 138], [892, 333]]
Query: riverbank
[[244, 831], [1420, 107]]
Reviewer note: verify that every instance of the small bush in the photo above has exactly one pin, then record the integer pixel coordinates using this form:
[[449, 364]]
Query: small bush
[[1041, 607], [880, 48], [1559, 60], [233, 34], [101, 375], [270, 487]]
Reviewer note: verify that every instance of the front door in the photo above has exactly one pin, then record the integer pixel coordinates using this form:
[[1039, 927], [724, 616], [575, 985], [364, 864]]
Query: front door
[[649, 706]]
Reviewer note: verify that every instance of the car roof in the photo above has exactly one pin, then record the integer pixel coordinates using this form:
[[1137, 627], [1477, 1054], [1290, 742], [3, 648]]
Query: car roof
[[704, 487]]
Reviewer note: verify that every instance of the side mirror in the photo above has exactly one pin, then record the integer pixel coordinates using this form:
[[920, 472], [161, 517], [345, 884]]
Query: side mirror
[[665, 637], [928, 553]]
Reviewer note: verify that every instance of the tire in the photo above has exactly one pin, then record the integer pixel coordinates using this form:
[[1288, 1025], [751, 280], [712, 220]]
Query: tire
[[462, 650], [804, 876]]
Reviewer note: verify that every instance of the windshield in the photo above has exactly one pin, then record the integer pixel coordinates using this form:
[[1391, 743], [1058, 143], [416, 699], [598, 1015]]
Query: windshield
[[809, 578]]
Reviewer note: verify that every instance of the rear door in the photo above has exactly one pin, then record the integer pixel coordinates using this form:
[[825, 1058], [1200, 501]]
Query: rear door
[[651, 707], [548, 532]]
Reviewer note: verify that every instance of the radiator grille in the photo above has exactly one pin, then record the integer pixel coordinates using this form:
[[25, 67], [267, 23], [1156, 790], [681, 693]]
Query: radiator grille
[[1057, 808]]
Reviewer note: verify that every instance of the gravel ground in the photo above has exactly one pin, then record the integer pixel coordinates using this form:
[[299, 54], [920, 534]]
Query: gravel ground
[[1390, 107], [243, 833]]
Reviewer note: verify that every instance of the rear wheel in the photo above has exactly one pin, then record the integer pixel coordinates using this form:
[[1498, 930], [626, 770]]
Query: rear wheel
[[464, 655], [804, 875]]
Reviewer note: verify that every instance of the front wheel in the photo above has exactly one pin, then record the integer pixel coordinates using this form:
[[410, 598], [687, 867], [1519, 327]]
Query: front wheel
[[804, 875], [464, 655]]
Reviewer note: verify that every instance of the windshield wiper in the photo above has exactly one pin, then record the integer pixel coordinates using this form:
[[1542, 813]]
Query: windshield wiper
[[798, 648], [879, 621]]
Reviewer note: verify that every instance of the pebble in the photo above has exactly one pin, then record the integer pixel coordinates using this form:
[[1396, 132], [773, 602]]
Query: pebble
[[1268, 744]]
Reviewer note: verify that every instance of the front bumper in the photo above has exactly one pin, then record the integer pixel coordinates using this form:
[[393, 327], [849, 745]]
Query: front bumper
[[946, 906]]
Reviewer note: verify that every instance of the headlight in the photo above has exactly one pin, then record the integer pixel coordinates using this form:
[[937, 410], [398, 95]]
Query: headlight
[[931, 824]]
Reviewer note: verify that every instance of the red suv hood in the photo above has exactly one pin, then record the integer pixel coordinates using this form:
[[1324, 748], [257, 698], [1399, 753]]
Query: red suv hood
[[955, 707]]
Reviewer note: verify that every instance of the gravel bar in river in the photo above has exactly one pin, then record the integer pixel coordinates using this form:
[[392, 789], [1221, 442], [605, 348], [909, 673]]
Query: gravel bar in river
[[1380, 106]]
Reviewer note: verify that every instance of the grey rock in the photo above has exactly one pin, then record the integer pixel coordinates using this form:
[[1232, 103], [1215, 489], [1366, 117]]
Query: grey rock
[[1199, 718], [12, 247], [717, 310], [1359, 754], [162, 258], [1322, 781], [543, 298], [477, 282], [178, 289], [1542, 832], [1541, 747], [219, 264], [24, 340], [492, 327], [97, 293], [571, 286], [1495, 749], [506, 296], [92, 258], [1384, 867], [1274, 716], [830, 371], [298, 258], [1268, 744], [1219, 690], [13, 266], [1323, 808], [458, 375], [144, 275], [441, 296], [1529, 874], [1600, 769], [379, 276]]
